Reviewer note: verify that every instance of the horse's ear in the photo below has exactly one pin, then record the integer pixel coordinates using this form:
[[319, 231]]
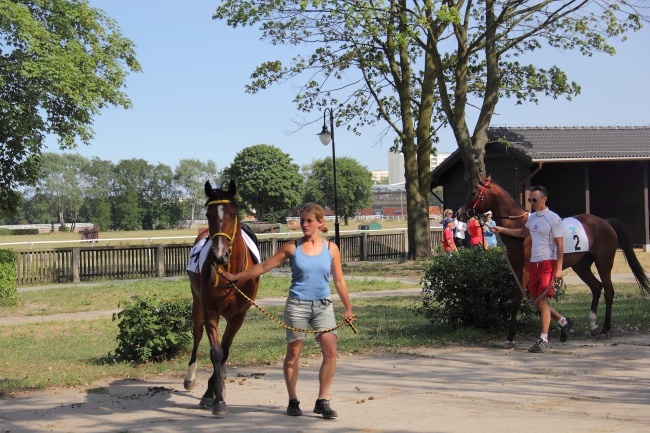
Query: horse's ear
[[480, 177], [232, 188], [208, 189], [489, 178]]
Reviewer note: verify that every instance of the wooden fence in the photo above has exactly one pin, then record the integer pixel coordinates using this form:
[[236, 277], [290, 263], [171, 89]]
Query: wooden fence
[[76, 264]]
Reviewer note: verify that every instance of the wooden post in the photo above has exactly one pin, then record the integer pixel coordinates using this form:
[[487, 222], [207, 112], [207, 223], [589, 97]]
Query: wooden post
[[76, 258], [160, 258], [364, 246]]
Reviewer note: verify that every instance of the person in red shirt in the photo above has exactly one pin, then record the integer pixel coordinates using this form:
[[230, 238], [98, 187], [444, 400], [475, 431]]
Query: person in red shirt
[[475, 233], [448, 243]]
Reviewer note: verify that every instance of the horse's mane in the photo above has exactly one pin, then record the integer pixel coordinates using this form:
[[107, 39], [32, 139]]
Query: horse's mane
[[507, 194]]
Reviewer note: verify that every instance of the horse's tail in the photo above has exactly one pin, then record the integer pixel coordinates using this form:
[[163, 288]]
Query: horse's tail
[[626, 244]]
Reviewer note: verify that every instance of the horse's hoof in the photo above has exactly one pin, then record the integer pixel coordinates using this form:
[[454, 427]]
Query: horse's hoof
[[219, 409], [509, 344], [595, 332], [206, 402], [189, 384], [603, 336]]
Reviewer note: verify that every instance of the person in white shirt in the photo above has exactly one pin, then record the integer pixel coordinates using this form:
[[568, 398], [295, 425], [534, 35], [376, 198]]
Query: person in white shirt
[[545, 229], [459, 233]]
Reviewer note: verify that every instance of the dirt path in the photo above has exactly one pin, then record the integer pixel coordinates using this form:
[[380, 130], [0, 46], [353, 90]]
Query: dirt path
[[579, 386]]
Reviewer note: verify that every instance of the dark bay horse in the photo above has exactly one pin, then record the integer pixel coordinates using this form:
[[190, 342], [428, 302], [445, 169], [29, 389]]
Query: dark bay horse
[[604, 236], [213, 298]]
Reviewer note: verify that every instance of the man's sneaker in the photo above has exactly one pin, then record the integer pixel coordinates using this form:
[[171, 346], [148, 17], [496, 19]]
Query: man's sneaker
[[564, 330], [539, 347], [294, 408], [323, 407]]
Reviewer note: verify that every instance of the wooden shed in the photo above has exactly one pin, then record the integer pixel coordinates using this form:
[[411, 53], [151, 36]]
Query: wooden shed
[[599, 170]]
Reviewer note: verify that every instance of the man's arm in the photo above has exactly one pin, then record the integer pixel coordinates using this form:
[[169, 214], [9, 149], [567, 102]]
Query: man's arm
[[517, 233]]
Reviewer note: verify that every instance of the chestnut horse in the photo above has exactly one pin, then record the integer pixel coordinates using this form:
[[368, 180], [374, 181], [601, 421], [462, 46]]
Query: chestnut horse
[[213, 298], [603, 235]]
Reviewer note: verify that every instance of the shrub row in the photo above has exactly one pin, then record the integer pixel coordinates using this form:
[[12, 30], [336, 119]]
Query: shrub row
[[8, 292]]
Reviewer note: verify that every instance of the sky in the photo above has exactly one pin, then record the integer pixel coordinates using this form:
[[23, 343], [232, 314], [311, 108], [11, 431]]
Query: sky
[[189, 101]]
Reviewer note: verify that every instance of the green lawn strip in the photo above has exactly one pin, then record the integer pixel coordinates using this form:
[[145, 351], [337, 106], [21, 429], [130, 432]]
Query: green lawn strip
[[107, 296]]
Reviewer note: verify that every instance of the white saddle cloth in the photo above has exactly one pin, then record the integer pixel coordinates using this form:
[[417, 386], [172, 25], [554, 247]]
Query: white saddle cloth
[[575, 237], [200, 251]]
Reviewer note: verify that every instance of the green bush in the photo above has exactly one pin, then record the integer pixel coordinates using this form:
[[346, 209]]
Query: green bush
[[64, 228], [8, 292], [152, 330], [470, 288], [25, 231], [5, 232]]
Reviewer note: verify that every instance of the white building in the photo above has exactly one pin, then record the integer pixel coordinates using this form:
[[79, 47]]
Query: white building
[[378, 175], [396, 165]]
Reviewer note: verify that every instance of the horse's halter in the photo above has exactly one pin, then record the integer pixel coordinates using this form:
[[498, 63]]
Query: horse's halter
[[481, 195], [226, 235]]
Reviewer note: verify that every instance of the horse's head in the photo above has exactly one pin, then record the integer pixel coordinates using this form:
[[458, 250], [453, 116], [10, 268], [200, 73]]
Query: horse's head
[[222, 214], [479, 200]]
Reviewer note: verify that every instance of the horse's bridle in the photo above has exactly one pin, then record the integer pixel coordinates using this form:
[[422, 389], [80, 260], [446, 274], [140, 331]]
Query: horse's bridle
[[226, 235], [483, 188]]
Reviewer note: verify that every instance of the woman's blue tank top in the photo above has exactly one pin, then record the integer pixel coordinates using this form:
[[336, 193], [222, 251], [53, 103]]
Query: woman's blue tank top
[[310, 275]]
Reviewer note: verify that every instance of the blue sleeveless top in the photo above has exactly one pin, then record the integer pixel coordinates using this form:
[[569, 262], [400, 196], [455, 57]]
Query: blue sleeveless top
[[310, 275]]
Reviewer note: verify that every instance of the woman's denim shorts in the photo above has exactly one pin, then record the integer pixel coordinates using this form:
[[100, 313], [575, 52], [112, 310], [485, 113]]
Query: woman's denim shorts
[[299, 313]]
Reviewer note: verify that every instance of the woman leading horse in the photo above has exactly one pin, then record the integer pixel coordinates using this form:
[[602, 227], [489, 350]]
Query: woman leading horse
[[221, 246], [603, 238]]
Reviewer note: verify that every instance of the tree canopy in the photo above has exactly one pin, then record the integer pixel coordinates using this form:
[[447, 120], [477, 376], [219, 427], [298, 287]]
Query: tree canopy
[[353, 186], [61, 62], [267, 181], [420, 65]]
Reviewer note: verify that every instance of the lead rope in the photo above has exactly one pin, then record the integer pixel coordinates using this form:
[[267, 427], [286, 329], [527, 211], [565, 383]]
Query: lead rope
[[512, 271], [346, 321]]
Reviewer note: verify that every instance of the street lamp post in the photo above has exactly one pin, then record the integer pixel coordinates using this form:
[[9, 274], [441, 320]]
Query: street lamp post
[[325, 137]]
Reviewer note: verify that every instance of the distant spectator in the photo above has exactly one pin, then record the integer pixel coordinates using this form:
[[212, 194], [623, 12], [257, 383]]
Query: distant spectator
[[475, 233], [490, 236], [448, 243], [459, 233], [448, 213]]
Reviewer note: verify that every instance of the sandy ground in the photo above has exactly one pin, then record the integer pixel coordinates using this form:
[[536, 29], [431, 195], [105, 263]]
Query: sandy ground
[[578, 386]]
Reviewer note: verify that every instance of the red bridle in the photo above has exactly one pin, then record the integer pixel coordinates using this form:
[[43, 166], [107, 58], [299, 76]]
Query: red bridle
[[483, 187]]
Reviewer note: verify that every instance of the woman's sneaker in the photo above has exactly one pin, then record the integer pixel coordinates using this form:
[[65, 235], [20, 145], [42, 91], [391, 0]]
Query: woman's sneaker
[[294, 408], [539, 347], [323, 407], [564, 330]]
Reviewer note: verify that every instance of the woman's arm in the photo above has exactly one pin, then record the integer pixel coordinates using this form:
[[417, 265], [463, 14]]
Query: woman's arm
[[283, 254], [339, 281]]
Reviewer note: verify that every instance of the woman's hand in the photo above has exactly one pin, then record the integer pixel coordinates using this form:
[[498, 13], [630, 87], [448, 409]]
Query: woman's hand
[[228, 276]]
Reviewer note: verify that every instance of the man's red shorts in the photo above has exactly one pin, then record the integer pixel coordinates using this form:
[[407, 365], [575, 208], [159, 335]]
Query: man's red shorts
[[540, 277]]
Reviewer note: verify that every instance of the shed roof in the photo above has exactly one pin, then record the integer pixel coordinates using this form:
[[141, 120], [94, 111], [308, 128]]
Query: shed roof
[[560, 144]]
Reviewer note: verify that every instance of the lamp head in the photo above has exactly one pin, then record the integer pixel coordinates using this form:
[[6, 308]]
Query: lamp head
[[325, 136]]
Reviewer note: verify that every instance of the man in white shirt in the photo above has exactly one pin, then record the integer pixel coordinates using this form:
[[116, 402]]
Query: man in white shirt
[[545, 229], [459, 233]]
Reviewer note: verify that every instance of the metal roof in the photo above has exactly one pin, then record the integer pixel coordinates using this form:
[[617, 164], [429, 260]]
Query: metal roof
[[563, 144]]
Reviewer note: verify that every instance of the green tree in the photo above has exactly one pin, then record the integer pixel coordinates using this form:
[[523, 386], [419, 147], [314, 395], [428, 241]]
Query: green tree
[[267, 180], [190, 176], [60, 185], [129, 189], [353, 185], [418, 66], [61, 62], [98, 186]]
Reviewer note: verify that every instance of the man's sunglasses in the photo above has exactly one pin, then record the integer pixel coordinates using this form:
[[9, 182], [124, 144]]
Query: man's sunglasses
[[534, 200]]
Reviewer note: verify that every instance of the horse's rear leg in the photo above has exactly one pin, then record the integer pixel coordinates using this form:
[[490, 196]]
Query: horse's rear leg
[[605, 272], [510, 340], [583, 270], [197, 332]]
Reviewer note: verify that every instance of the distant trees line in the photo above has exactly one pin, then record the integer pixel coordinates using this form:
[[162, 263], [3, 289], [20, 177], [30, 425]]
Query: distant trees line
[[136, 195]]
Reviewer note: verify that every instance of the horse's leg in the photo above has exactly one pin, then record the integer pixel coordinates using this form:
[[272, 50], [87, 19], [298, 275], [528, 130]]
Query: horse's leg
[[219, 407], [605, 273], [583, 270], [197, 331], [216, 383], [514, 309], [211, 323]]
